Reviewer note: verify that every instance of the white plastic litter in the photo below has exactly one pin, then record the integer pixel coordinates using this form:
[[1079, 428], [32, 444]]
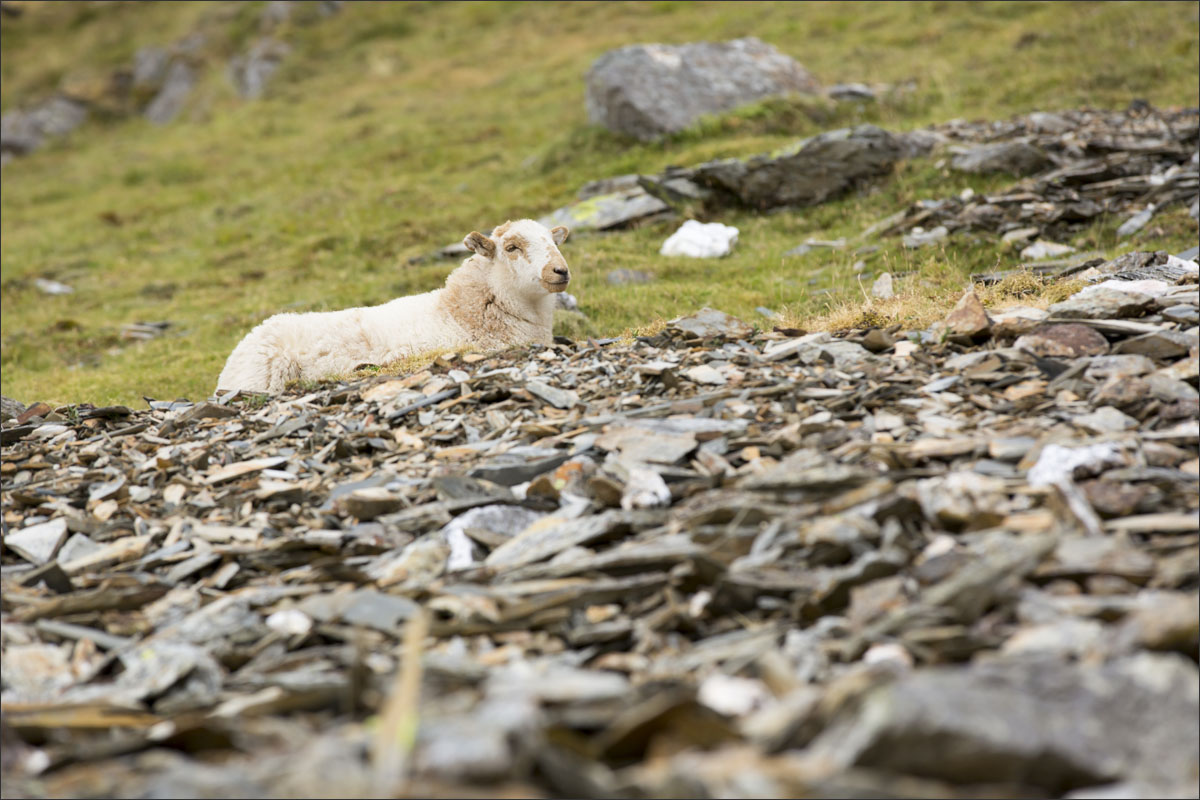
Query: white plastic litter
[[731, 695], [290, 621], [888, 653], [51, 287], [1057, 463], [512, 519], [700, 240], [1058, 466], [645, 489]]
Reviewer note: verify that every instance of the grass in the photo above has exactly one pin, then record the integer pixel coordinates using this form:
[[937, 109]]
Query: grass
[[395, 128], [924, 300]]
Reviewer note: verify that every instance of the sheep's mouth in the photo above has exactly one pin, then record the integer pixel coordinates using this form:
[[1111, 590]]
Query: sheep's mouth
[[556, 286]]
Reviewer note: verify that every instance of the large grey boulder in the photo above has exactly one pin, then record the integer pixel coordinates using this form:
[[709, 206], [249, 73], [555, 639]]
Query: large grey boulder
[[808, 172], [648, 90]]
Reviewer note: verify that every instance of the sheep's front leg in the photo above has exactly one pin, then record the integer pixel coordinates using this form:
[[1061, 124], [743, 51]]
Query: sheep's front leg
[[264, 361]]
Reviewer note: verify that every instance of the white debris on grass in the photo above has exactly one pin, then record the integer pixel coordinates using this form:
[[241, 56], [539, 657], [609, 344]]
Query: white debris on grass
[[701, 240]]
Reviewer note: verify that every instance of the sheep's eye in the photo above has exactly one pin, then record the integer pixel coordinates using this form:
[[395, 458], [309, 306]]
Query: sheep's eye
[[512, 248]]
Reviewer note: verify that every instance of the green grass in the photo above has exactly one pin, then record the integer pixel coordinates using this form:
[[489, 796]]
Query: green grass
[[393, 129]]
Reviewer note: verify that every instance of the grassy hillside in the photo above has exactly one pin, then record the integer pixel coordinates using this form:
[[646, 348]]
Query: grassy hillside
[[394, 128]]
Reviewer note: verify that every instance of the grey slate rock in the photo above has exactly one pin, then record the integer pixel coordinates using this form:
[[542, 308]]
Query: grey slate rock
[[1159, 344], [59, 115], [1032, 721], [559, 398], [1016, 158], [808, 172], [1140, 265], [169, 101], [510, 469], [150, 68], [24, 131], [18, 134], [1182, 313], [10, 409], [710, 323], [37, 544], [850, 91], [606, 211], [251, 71], [619, 277], [617, 183], [78, 546], [649, 90], [919, 143], [674, 186], [1102, 303]]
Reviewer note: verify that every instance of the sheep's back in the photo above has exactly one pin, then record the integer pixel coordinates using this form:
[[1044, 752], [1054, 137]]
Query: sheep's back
[[413, 324]]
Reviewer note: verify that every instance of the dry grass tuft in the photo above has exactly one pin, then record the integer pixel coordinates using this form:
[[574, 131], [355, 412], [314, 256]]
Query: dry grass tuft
[[916, 305], [653, 328], [1028, 289], [922, 301], [401, 366]]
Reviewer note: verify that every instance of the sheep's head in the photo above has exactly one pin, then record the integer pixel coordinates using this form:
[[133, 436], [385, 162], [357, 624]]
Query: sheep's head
[[528, 253]]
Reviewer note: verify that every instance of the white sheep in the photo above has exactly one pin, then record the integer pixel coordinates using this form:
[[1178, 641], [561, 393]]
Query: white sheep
[[500, 297]]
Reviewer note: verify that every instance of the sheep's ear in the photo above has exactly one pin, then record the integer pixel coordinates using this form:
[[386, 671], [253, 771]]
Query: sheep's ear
[[559, 233], [478, 243]]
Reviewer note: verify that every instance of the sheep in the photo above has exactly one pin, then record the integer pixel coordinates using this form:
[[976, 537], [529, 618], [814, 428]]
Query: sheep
[[501, 296]]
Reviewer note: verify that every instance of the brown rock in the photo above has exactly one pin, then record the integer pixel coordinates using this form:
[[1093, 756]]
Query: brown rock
[[1164, 621], [543, 486], [877, 340], [35, 410], [1112, 499], [1119, 391], [367, 504], [1182, 409], [1026, 393], [968, 317], [1069, 340]]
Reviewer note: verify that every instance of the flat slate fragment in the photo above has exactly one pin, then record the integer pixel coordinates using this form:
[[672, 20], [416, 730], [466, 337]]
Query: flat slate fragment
[[37, 544], [541, 541]]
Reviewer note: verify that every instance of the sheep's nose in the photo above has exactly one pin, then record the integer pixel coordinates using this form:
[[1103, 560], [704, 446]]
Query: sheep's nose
[[561, 272]]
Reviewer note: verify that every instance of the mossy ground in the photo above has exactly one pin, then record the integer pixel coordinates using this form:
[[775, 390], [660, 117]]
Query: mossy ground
[[394, 128]]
